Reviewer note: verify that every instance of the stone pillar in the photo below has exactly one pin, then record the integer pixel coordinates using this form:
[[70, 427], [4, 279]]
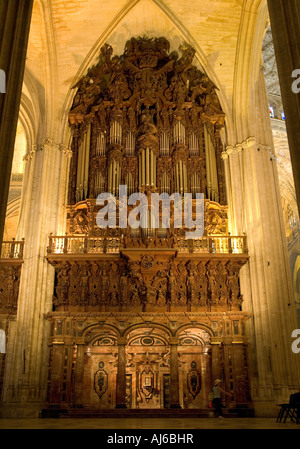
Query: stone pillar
[[174, 375], [284, 16], [265, 281], [41, 213], [15, 17], [121, 375]]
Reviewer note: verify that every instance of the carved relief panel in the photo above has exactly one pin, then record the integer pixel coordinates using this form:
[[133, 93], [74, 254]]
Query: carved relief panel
[[148, 281], [9, 287]]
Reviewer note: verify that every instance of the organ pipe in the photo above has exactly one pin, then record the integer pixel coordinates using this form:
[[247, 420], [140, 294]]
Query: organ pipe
[[100, 145], [147, 167], [164, 144], [194, 145], [179, 133], [130, 144], [116, 133], [83, 166], [211, 168], [99, 184], [114, 177]]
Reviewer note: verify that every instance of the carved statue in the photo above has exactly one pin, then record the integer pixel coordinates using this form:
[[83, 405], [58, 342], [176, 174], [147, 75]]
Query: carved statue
[[233, 283], [62, 289], [84, 284]]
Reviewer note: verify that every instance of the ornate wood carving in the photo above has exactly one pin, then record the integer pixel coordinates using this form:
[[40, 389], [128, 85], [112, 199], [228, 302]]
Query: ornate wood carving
[[9, 287], [146, 91], [194, 380], [111, 282], [101, 380], [148, 281]]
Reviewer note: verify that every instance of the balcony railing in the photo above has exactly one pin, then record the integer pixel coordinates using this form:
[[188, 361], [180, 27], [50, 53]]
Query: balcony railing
[[225, 244], [12, 249], [71, 244], [83, 245]]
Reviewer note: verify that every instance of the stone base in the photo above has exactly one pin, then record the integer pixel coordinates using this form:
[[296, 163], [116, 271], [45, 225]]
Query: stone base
[[19, 411], [265, 409]]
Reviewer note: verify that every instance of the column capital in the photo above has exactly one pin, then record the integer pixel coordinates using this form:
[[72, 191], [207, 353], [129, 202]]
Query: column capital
[[50, 145], [80, 341], [250, 143], [173, 341], [216, 340], [224, 155], [122, 341]]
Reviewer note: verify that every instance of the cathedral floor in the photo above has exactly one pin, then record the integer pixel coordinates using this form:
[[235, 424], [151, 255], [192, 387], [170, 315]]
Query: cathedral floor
[[151, 423]]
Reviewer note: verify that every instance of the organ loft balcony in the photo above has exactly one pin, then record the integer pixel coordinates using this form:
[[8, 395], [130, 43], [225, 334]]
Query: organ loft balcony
[[85, 239], [145, 269]]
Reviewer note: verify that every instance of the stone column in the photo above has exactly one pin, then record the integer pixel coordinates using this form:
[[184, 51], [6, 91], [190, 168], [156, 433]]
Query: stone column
[[265, 280], [121, 375], [285, 17], [15, 17], [25, 378], [174, 375]]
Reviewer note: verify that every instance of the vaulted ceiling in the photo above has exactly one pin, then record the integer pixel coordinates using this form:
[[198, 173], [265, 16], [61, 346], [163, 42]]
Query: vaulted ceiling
[[66, 36]]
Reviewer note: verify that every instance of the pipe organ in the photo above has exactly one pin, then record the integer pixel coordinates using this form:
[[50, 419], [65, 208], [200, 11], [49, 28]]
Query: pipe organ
[[141, 117], [128, 302]]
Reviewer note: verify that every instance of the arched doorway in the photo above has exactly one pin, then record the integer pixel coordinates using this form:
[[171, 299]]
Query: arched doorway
[[195, 368], [147, 368], [100, 369]]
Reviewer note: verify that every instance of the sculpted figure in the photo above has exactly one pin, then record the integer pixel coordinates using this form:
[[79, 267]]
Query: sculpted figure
[[63, 285], [84, 284]]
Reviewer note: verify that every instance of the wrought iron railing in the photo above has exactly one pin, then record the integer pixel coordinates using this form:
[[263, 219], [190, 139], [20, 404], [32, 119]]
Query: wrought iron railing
[[12, 249], [71, 244]]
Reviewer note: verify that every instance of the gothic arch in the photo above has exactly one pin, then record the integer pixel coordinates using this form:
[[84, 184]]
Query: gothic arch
[[247, 66], [106, 35]]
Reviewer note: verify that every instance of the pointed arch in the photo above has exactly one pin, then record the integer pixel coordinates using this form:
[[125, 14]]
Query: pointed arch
[[184, 33], [247, 65]]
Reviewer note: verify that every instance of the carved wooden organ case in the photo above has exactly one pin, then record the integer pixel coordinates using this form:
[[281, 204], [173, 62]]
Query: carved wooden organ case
[[151, 120]]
